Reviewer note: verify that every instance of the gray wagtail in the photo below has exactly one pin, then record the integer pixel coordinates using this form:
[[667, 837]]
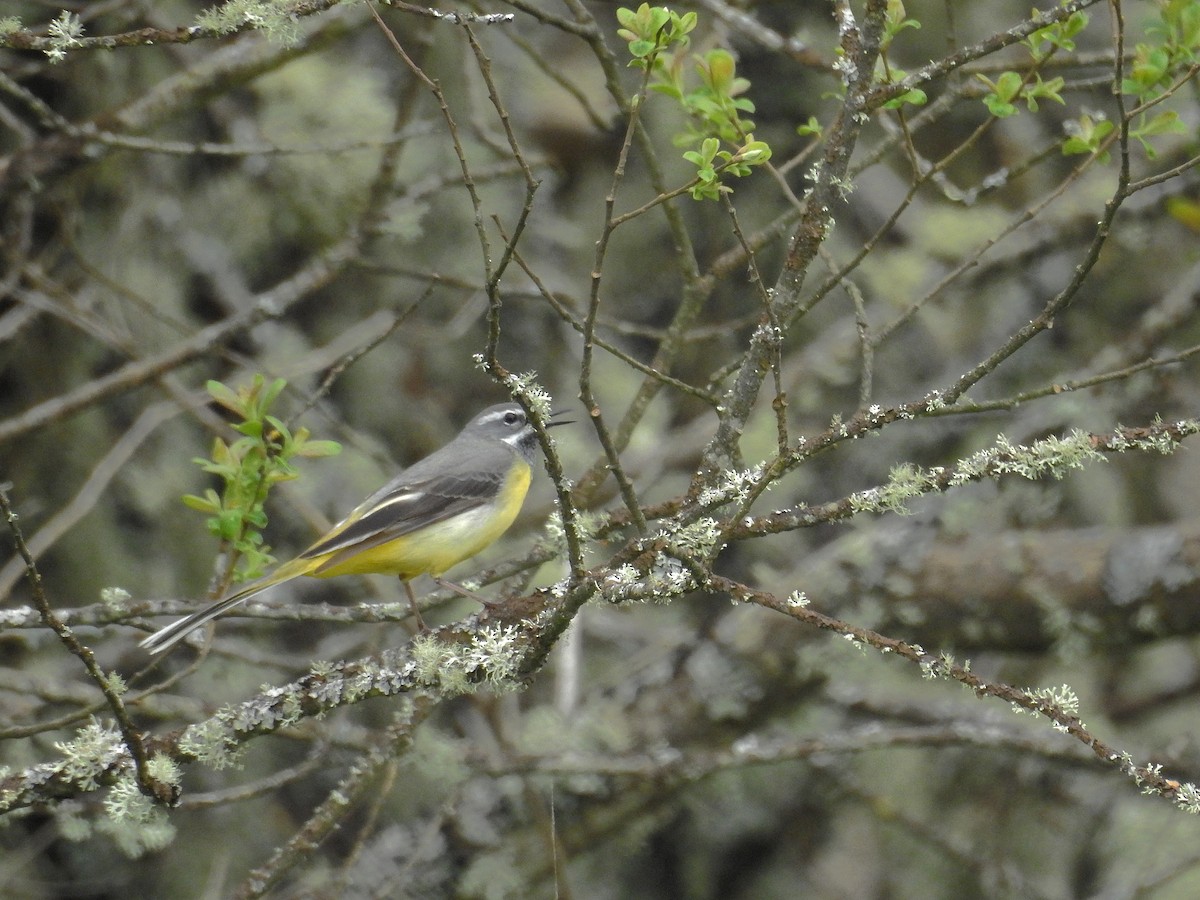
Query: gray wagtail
[[433, 515]]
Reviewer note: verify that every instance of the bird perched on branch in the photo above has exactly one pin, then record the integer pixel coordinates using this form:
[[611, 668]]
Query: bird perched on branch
[[432, 516]]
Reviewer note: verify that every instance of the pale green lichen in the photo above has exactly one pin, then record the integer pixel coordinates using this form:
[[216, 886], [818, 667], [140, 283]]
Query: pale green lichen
[[426, 652], [162, 768], [125, 801], [94, 750], [587, 525], [905, 483], [115, 599], [697, 538], [1053, 456], [492, 657], [525, 386], [291, 709], [1187, 798], [797, 600], [668, 576], [940, 666], [1062, 698], [64, 33], [733, 485], [134, 822], [495, 652], [275, 18], [623, 584], [212, 742], [358, 686], [132, 819]]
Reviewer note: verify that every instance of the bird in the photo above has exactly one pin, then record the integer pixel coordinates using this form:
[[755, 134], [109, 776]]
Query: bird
[[435, 514]]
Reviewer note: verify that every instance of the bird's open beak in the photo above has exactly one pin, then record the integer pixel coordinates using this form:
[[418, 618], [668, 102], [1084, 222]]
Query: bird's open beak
[[554, 420]]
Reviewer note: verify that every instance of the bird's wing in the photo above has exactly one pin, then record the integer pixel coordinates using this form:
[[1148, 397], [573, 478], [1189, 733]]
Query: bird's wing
[[406, 508]]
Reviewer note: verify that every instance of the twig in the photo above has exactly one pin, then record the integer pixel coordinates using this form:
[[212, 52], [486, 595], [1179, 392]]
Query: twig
[[271, 304], [132, 738], [940, 666], [87, 495], [587, 394], [396, 741], [987, 47]]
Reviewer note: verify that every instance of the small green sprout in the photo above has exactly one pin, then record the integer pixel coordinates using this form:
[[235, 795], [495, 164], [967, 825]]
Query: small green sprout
[[652, 29], [1010, 87], [1086, 135], [1058, 36], [248, 467], [895, 21], [716, 106]]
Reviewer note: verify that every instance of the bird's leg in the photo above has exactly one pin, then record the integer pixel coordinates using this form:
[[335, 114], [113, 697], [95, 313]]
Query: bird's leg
[[412, 601], [463, 592]]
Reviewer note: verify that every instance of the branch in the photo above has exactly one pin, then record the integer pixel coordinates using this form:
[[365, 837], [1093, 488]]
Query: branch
[[861, 49], [110, 687], [1041, 703], [29, 39]]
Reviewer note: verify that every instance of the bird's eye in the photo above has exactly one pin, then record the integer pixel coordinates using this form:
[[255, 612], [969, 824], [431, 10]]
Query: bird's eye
[[511, 418]]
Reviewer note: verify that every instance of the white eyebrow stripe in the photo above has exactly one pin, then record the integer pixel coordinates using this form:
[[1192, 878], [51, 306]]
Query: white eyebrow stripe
[[497, 416]]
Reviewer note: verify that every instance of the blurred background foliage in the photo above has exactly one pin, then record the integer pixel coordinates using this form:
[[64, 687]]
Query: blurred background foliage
[[299, 184]]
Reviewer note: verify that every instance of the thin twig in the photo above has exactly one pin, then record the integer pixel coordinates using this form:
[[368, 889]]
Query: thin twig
[[131, 736]]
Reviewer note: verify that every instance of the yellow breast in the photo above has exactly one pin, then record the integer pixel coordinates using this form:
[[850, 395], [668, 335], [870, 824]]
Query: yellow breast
[[434, 549]]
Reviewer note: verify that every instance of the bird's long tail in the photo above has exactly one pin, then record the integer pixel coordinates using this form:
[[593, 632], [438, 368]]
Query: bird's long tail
[[166, 638]]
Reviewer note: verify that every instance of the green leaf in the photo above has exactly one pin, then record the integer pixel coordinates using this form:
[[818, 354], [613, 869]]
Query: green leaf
[[999, 108], [1002, 92], [717, 70], [1087, 134], [204, 504], [812, 126], [915, 97], [220, 452], [1151, 66], [250, 465], [1008, 86], [642, 48], [754, 152], [319, 449], [229, 524], [1166, 122], [273, 392], [224, 396]]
